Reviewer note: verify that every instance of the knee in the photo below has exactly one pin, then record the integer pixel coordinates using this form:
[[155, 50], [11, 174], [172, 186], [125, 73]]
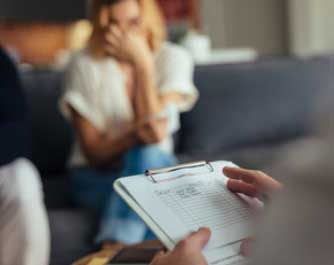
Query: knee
[[146, 157], [145, 151], [143, 154]]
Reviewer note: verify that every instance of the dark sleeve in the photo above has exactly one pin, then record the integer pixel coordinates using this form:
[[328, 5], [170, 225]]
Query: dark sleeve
[[14, 121]]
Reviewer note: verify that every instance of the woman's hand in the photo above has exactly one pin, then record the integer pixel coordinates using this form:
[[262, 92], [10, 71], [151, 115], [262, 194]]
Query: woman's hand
[[187, 252], [252, 183], [127, 46], [152, 131]]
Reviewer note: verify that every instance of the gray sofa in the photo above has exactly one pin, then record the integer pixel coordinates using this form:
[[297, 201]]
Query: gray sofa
[[247, 113]]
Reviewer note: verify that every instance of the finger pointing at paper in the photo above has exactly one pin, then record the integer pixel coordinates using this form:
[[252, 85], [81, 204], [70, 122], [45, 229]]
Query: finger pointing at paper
[[250, 182]]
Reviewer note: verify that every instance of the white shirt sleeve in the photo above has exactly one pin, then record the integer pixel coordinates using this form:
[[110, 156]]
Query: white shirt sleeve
[[175, 73], [80, 89]]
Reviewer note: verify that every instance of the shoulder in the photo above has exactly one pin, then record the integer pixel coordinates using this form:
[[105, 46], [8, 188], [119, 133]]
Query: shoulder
[[82, 66], [173, 52], [82, 61], [80, 58], [11, 93], [9, 76]]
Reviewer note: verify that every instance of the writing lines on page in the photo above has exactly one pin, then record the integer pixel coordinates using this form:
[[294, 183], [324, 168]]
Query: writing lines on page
[[235, 260], [203, 204]]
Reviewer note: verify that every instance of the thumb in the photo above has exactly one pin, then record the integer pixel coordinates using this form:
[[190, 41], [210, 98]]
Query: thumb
[[200, 238], [246, 247], [158, 256]]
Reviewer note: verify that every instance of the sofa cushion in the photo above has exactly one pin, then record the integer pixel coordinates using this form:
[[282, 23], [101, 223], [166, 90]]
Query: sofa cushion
[[255, 103], [72, 233], [57, 192], [52, 135]]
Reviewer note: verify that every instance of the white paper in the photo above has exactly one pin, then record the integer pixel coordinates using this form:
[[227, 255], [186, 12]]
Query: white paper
[[186, 204]]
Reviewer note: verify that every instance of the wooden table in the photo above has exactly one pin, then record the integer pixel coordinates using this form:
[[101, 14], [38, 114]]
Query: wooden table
[[109, 251]]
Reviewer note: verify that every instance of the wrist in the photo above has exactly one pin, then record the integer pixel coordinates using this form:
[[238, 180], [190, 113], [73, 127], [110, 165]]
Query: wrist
[[135, 134], [143, 61]]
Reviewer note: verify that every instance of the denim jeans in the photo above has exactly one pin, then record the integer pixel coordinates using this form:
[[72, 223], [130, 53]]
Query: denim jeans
[[93, 189]]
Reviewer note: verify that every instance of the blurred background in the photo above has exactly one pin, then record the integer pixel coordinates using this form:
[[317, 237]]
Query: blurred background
[[264, 27], [264, 69]]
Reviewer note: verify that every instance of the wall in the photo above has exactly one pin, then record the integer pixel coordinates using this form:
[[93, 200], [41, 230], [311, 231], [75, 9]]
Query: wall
[[42, 43], [42, 10], [261, 24], [35, 43], [37, 30], [311, 27]]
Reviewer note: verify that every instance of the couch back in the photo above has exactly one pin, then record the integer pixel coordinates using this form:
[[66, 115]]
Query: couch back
[[241, 104], [256, 103]]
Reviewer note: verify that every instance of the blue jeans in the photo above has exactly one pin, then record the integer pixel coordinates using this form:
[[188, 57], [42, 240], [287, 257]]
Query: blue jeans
[[93, 189]]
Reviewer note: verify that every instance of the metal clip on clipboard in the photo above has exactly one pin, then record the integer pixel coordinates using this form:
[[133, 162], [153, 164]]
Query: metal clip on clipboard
[[176, 172]]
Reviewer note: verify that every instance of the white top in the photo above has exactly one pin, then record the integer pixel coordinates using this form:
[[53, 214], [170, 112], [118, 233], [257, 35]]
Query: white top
[[97, 90]]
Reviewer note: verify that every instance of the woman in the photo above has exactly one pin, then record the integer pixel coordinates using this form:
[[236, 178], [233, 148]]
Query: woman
[[123, 96]]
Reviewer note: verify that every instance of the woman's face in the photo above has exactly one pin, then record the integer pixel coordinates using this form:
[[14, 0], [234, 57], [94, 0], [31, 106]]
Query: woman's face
[[125, 14]]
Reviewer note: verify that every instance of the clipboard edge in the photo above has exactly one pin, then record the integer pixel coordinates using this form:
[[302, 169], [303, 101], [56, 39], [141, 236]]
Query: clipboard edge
[[156, 229]]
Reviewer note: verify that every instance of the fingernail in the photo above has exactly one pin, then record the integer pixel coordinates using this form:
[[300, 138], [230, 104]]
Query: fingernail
[[226, 168], [204, 228]]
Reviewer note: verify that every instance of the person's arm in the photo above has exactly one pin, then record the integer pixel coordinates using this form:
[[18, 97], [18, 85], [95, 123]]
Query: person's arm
[[99, 148], [148, 102], [252, 183], [15, 135], [255, 184]]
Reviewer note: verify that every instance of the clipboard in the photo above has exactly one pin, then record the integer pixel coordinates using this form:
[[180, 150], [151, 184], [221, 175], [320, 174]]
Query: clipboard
[[157, 176], [165, 175]]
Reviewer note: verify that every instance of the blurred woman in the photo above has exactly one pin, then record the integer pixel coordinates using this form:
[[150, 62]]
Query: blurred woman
[[123, 95]]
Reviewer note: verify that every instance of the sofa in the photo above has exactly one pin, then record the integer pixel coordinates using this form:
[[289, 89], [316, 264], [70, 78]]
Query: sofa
[[247, 113]]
